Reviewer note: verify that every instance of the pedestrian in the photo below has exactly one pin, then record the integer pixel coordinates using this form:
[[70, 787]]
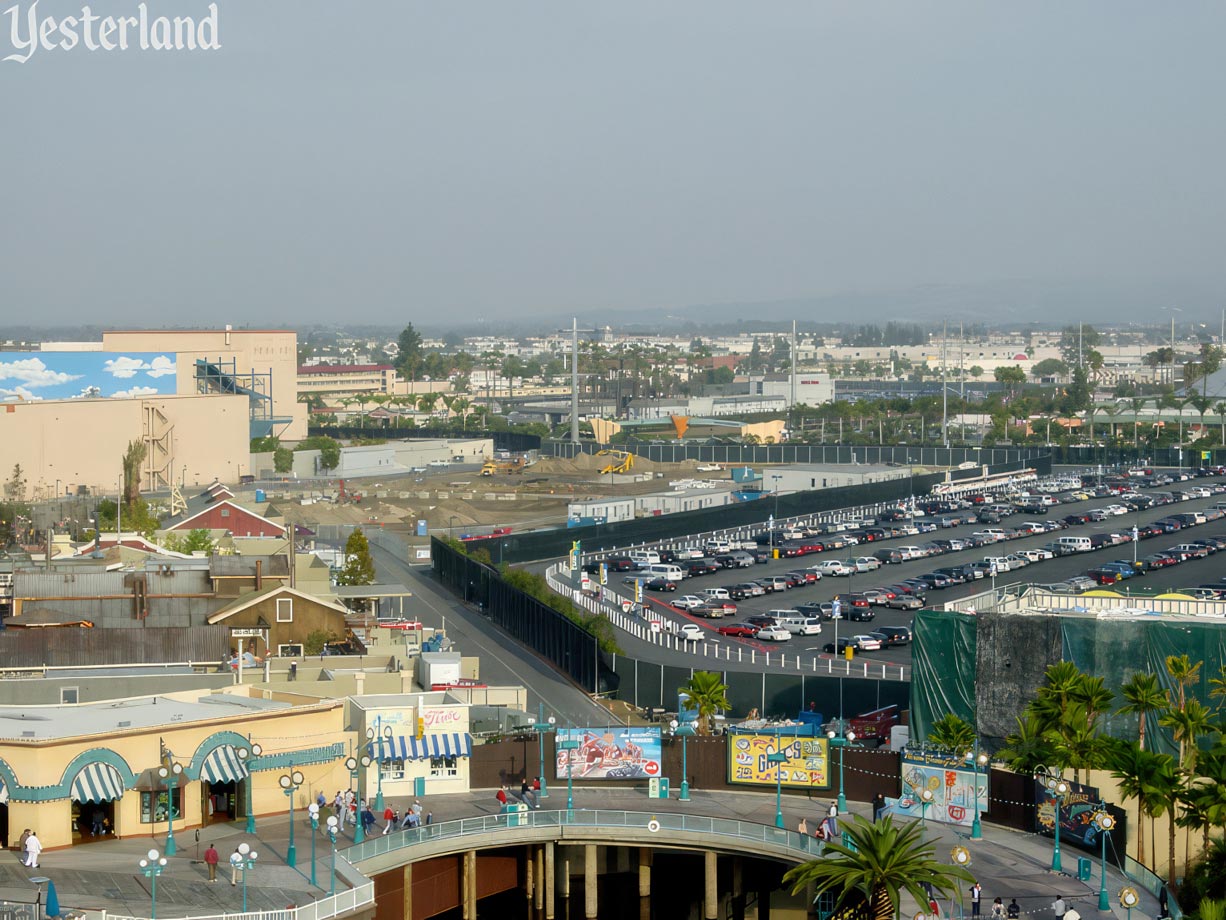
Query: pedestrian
[[34, 846], [878, 806], [351, 808], [976, 893], [321, 800], [1072, 913], [338, 806], [21, 842], [501, 796], [1058, 907], [998, 909], [1164, 909], [526, 794], [236, 863], [210, 859], [834, 810], [1013, 911], [389, 818], [429, 817], [368, 820], [803, 828]]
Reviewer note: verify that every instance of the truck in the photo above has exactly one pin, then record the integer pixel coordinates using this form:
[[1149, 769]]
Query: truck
[[493, 467], [873, 728]]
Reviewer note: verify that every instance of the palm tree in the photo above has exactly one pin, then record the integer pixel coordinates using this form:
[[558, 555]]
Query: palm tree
[[1188, 724], [1029, 747], [460, 405], [1167, 791], [1141, 774], [1183, 672], [953, 733], [1220, 409], [1137, 404], [709, 695], [879, 863], [1078, 743], [1217, 685], [1142, 695]]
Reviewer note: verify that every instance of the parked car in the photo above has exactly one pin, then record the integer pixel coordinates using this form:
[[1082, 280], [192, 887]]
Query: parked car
[[738, 630], [895, 635], [687, 602], [834, 567], [905, 602], [761, 620], [773, 634], [866, 643], [691, 632], [660, 584]]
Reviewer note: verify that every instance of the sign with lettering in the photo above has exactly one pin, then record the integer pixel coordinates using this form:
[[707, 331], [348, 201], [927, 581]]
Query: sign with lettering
[[437, 718], [807, 765], [610, 753], [249, 633]]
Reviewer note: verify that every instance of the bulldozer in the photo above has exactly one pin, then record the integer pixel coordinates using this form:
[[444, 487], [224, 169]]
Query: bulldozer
[[493, 467], [622, 461]]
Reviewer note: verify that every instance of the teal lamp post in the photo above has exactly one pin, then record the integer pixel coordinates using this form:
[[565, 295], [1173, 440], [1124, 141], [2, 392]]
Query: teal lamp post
[[779, 758], [244, 754], [978, 762], [289, 783], [355, 767], [332, 827], [570, 744], [1129, 899], [684, 730], [1105, 822], [249, 857], [313, 811], [153, 865], [377, 737], [840, 742], [541, 726], [926, 799], [170, 774], [1058, 789]]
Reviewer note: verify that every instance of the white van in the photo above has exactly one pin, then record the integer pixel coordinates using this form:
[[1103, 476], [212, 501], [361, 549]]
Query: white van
[[714, 547], [663, 570], [1075, 544], [910, 552], [1002, 564], [716, 594], [797, 625], [992, 534], [644, 557]]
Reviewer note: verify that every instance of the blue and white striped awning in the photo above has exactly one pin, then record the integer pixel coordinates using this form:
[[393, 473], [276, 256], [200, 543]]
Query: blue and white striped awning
[[454, 744], [223, 765], [97, 782]]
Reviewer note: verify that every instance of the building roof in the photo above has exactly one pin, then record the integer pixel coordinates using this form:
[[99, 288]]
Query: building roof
[[244, 566], [255, 597], [172, 524], [54, 722], [342, 368]]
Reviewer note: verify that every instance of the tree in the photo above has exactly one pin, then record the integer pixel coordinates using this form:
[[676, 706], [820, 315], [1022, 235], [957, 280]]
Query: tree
[[880, 862], [283, 460], [195, 541], [1050, 367], [409, 361], [953, 733], [359, 568], [1029, 747], [976, 371], [1142, 775], [329, 450], [15, 488], [709, 695], [133, 457], [1142, 695], [1010, 376]]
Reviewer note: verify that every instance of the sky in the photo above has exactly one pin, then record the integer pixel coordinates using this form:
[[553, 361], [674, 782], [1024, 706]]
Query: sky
[[460, 161]]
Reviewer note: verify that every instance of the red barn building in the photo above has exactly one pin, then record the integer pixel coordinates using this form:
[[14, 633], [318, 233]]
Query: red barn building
[[226, 515]]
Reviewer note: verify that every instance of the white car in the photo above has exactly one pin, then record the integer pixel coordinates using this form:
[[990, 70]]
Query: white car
[[867, 563], [1036, 555], [863, 643], [773, 634], [691, 632], [688, 602], [833, 567]]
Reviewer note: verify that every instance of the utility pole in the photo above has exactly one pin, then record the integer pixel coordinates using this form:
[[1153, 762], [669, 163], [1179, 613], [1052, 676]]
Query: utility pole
[[961, 368], [574, 382], [944, 386]]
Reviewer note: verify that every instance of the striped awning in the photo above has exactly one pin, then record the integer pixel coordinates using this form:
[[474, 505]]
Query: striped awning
[[223, 765], [400, 747], [97, 782]]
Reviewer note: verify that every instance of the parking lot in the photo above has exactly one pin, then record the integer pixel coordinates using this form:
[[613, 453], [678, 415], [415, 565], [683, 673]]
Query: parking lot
[[1187, 574]]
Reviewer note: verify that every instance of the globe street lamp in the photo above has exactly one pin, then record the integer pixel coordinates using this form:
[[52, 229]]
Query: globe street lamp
[[926, 799], [685, 730], [244, 753], [1129, 899], [153, 865], [540, 726], [249, 857], [374, 735], [1104, 821], [289, 783], [170, 776], [332, 823], [570, 744], [977, 761], [355, 766], [779, 758], [840, 742], [1058, 789], [313, 811]]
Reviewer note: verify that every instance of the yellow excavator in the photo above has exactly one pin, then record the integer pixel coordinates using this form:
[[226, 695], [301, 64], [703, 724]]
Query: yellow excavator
[[622, 461]]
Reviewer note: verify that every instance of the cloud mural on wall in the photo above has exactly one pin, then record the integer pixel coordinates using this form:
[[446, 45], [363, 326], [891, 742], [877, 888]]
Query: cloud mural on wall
[[85, 375]]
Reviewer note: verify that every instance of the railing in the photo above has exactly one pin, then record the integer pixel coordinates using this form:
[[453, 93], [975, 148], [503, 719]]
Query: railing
[[641, 629], [516, 822], [337, 905], [1152, 883]]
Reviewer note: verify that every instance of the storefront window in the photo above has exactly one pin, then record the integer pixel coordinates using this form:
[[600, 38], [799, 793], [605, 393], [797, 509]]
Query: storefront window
[[392, 769], [443, 766], [153, 806]]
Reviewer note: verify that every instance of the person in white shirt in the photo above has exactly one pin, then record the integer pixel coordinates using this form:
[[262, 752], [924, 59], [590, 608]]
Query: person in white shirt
[[34, 846]]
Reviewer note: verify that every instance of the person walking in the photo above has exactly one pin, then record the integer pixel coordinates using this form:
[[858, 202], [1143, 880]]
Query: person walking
[[998, 909], [526, 794], [389, 818], [976, 894], [210, 859], [236, 864], [1058, 907], [34, 846], [1013, 911], [338, 806]]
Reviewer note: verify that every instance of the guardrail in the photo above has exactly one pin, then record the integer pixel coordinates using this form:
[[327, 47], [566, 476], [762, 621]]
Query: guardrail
[[802, 845], [641, 629]]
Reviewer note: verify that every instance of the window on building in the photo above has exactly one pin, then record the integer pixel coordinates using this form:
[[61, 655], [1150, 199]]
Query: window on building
[[443, 766], [69, 695], [225, 512], [285, 610], [392, 769], [153, 806]]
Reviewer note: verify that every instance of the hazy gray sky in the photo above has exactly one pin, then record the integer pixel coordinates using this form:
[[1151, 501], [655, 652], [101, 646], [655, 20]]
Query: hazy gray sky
[[388, 160]]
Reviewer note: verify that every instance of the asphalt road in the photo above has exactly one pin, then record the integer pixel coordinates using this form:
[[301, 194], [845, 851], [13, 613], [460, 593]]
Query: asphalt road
[[1188, 574]]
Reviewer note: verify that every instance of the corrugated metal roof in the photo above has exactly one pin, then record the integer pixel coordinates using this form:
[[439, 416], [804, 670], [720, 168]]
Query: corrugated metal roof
[[76, 647]]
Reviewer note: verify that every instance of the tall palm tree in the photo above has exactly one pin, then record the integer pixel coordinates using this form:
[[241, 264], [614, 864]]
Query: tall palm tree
[[1188, 724], [1217, 686], [1142, 695], [1167, 791], [1220, 409], [1141, 773], [879, 863], [1184, 672], [1137, 404], [1028, 748], [709, 695]]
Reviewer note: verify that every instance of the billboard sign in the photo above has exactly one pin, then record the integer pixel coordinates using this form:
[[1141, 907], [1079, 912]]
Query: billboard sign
[[954, 786], [609, 753], [807, 765]]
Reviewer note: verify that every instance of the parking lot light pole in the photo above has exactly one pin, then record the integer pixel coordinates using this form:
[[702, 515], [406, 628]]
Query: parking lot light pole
[[840, 742], [152, 866], [313, 811], [170, 775], [355, 767], [332, 825], [379, 735], [244, 754]]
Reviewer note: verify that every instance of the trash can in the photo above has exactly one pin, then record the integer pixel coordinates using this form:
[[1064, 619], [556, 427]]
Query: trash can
[[1083, 869], [849, 652], [516, 813]]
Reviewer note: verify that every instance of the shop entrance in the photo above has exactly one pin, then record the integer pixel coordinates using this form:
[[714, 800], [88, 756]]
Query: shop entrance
[[95, 790], [4, 826], [93, 821], [221, 801]]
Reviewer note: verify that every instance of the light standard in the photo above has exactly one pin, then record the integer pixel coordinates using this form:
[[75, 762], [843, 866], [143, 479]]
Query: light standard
[[244, 753], [960, 856], [355, 766], [373, 734], [570, 744], [684, 729], [1058, 789], [841, 742], [451, 527], [540, 726], [289, 783], [249, 857], [926, 799], [778, 759], [313, 811], [153, 865], [1104, 821], [977, 761], [170, 776], [332, 823], [1129, 899]]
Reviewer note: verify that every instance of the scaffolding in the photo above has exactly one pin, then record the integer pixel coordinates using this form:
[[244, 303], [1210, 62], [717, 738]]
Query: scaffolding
[[223, 376]]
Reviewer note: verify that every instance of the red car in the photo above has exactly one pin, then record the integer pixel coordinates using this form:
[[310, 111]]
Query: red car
[[741, 630]]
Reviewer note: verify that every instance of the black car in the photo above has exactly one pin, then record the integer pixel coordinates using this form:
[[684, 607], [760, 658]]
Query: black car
[[660, 584], [831, 648], [696, 567]]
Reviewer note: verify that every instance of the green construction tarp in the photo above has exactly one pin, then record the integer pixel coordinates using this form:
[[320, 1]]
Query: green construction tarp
[[943, 654]]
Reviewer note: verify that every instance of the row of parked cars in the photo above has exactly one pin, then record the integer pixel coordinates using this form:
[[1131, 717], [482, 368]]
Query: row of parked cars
[[1109, 573]]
